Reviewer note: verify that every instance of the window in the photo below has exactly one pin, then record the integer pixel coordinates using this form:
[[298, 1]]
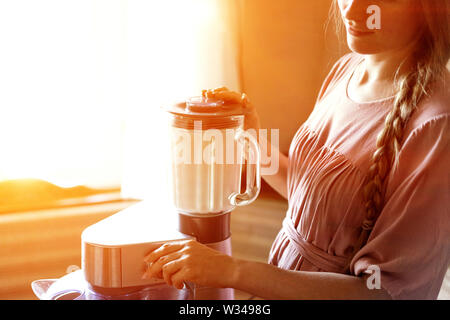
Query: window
[[82, 83]]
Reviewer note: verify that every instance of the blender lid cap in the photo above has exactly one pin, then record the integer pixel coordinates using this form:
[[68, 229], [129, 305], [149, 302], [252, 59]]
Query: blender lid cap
[[206, 107]]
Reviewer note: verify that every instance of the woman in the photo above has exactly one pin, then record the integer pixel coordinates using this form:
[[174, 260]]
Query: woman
[[367, 177]]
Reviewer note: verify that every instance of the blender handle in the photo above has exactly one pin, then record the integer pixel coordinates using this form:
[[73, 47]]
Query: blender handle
[[253, 172]]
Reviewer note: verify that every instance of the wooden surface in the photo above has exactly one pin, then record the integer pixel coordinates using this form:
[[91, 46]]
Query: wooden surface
[[43, 244], [25, 195]]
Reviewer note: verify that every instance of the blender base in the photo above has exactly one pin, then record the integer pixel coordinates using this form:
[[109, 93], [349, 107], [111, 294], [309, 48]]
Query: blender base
[[114, 248]]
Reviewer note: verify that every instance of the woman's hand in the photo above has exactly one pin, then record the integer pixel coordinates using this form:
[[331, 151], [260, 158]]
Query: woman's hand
[[251, 118], [190, 261]]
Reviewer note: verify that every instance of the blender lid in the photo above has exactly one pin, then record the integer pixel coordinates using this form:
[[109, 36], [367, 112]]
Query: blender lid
[[200, 107]]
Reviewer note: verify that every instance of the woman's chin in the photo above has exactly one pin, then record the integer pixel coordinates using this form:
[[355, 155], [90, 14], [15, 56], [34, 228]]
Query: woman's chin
[[363, 46]]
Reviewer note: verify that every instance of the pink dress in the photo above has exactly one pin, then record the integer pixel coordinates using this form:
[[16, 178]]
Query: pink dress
[[328, 161]]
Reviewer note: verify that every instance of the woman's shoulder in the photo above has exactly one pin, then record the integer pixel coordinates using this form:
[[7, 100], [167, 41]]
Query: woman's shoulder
[[346, 63], [435, 108]]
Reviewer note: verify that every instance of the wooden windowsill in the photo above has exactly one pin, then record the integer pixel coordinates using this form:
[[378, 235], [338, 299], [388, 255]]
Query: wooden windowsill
[[32, 194]]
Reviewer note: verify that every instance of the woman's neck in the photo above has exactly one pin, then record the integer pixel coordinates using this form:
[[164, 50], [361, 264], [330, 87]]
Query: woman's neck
[[374, 79], [384, 66]]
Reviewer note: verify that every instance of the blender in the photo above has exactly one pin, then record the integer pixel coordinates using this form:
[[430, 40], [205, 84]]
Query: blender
[[208, 150]]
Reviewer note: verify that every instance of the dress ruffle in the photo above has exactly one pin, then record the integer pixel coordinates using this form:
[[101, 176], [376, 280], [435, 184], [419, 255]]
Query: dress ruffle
[[323, 187]]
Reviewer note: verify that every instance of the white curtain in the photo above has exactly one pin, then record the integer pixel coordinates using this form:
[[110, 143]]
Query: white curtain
[[82, 83]]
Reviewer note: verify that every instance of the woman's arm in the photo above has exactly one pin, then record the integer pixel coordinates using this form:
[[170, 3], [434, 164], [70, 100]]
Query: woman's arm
[[277, 181], [269, 282], [190, 261]]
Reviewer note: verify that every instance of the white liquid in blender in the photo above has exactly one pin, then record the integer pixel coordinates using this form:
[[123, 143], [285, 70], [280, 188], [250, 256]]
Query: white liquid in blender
[[203, 187]]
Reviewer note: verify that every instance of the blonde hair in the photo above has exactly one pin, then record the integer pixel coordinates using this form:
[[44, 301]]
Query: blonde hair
[[430, 58]]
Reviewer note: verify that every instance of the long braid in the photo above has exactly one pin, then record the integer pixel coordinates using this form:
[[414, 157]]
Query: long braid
[[388, 146]]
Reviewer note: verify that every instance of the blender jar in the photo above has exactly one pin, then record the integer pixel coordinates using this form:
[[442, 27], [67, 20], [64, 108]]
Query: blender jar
[[208, 148]]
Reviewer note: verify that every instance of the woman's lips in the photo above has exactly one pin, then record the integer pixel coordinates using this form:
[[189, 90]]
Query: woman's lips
[[358, 33]]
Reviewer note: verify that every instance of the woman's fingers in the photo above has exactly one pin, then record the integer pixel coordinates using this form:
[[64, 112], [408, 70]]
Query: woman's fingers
[[179, 278], [156, 269], [221, 89], [209, 93], [223, 93], [163, 250], [164, 254], [169, 269], [227, 96], [193, 262], [245, 100]]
